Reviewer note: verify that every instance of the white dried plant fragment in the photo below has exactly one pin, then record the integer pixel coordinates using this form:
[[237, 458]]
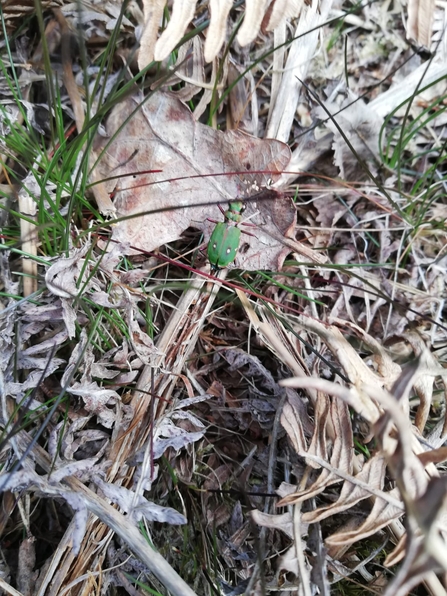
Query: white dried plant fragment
[[420, 21], [215, 37], [96, 400], [361, 126], [254, 13], [182, 14], [153, 13], [169, 435], [137, 507], [283, 9], [62, 277]]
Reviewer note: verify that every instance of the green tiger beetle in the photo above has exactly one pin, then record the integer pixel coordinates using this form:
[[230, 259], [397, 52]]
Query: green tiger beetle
[[225, 239], [226, 236]]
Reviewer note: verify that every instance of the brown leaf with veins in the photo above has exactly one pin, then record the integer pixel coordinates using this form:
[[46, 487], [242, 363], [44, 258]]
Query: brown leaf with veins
[[161, 134]]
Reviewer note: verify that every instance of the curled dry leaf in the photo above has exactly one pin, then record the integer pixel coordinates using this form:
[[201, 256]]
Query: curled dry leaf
[[137, 507], [381, 515], [182, 12], [257, 13], [291, 421], [373, 474], [281, 521], [50, 485], [201, 168], [167, 435], [153, 13], [39, 367], [335, 424], [61, 278], [215, 37], [255, 370], [255, 10], [424, 385], [425, 545], [79, 469], [290, 562], [283, 9], [96, 400]]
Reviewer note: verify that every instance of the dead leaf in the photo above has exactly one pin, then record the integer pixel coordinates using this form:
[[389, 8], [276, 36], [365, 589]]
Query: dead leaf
[[217, 30], [381, 515], [360, 126], [342, 456], [280, 10], [182, 15], [420, 21], [96, 399], [254, 369], [293, 419], [373, 474], [167, 435], [62, 277], [425, 546], [281, 521], [201, 168], [289, 561], [137, 507]]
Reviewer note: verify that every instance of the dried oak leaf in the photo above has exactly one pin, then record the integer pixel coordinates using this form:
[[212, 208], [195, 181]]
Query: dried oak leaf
[[201, 168]]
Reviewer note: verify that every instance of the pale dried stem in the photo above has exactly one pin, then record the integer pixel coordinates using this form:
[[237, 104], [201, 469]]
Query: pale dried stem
[[28, 233], [301, 52], [29, 236], [9, 589]]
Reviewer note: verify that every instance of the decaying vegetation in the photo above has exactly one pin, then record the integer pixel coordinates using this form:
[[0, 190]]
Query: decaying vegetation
[[276, 427]]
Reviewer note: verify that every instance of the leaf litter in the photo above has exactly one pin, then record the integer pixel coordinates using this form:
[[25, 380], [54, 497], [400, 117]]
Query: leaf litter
[[160, 133], [213, 435]]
